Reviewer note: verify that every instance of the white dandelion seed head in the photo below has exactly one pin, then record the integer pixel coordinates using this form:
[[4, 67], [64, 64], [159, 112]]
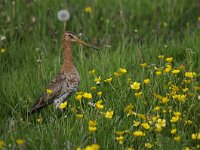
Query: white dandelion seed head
[[63, 15]]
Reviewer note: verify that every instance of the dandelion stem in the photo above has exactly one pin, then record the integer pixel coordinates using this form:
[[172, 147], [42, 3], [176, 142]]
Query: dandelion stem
[[65, 25]]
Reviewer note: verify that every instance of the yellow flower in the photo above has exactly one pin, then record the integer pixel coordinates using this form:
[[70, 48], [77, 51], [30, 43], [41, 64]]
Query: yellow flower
[[147, 81], [122, 70], [92, 123], [164, 111], [161, 56], [157, 108], [160, 123], [196, 88], [129, 110], [196, 136], [99, 93], [99, 104], [188, 122], [3, 50], [141, 116], [117, 74], [109, 114], [180, 98], [39, 120], [158, 73], [136, 123], [177, 114], [88, 9], [93, 88], [63, 105], [174, 119], [130, 148], [49, 91], [20, 141], [97, 80], [92, 147], [143, 65], [79, 93], [198, 18], [138, 94], [175, 71], [78, 97], [1, 144], [138, 133], [145, 125], [119, 138], [92, 71], [87, 95], [135, 86], [79, 115], [148, 145], [187, 81], [108, 80], [92, 128], [177, 138], [185, 89], [187, 148], [167, 70], [181, 67], [165, 100], [190, 74], [173, 131], [119, 132], [169, 59], [158, 128]]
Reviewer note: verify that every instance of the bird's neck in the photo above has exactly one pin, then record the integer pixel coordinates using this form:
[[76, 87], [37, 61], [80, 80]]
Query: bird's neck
[[67, 56]]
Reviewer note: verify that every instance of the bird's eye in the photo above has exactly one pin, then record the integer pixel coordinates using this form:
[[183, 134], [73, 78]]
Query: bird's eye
[[71, 36]]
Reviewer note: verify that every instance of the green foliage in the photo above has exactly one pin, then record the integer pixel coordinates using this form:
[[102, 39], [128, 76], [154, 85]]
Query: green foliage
[[128, 33]]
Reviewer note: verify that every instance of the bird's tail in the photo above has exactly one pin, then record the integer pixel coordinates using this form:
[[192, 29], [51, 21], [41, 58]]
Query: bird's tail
[[41, 103]]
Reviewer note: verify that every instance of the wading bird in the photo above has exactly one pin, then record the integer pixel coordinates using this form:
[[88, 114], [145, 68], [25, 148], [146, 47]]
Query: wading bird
[[66, 82]]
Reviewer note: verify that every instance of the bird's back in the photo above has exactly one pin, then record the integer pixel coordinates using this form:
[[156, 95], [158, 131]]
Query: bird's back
[[62, 87]]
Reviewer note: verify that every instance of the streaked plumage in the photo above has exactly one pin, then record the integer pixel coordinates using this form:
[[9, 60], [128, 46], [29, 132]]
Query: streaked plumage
[[66, 82]]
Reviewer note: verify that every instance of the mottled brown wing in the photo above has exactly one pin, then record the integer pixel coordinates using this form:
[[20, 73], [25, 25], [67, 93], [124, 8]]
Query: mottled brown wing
[[56, 86]]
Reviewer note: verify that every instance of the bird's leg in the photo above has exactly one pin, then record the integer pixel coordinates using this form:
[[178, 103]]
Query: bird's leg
[[59, 100]]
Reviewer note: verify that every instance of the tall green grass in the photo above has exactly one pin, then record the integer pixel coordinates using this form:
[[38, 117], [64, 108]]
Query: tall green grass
[[127, 32]]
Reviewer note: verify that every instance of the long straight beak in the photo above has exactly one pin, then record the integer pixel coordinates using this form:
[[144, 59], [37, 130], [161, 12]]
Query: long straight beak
[[88, 45]]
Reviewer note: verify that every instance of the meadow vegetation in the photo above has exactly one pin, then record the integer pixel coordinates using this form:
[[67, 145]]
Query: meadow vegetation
[[141, 91]]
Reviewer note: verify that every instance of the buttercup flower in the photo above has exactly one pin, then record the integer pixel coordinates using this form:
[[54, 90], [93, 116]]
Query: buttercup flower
[[108, 80], [20, 141], [135, 86], [169, 59], [138, 133], [143, 65], [63, 105], [148, 145], [92, 147], [87, 95], [109, 114], [145, 125], [1, 144], [190, 74], [147, 81], [49, 91], [3, 50], [97, 80], [196, 136], [122, 70], [88, 9], [99, 104]]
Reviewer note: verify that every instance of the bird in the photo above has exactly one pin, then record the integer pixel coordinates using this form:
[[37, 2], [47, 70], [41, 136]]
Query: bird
[[67, 80]]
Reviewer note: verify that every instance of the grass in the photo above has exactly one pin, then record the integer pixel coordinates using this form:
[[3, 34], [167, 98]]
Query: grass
[[128, 33]]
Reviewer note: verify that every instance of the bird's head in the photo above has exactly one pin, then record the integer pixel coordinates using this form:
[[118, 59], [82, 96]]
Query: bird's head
[[71, 37]]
